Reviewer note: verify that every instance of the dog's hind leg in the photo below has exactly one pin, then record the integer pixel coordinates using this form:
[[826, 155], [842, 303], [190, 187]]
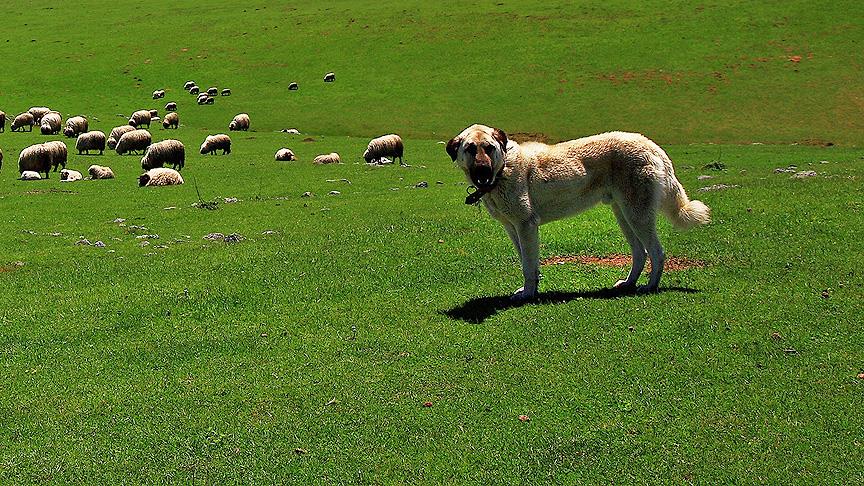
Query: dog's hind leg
[[636, 249], [643, 222]]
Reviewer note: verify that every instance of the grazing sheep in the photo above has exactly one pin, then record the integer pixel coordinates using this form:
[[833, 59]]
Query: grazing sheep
[[210, 101], [51, 123], [38, 112], [134, 141], [172, 120], [2, 121], [285, 154], [202, 98], [23, 120], [159, 93], [329, 77], [216, 142], [58, 153], [188, 85], [164, 152], [74, 126], [212, 91], [68, 175], [100, 172], [116, 133], [240, 122], [226, 92], [290, 131], [140, 117], [293, 86], [384, 146], [35, 158], [160, 176], [331, 158], [171, 106], [88, 141], [194, 90], [153, 114], [29, 175]]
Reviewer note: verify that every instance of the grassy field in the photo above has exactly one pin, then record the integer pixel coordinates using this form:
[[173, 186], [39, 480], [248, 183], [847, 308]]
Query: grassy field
[[306, 351]]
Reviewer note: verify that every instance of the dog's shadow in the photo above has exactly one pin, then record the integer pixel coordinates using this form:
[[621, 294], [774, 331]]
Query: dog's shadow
[[479, 309]]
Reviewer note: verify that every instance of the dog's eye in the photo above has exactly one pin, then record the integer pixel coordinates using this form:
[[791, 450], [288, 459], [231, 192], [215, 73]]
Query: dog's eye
[[489, 149], [471, 149]]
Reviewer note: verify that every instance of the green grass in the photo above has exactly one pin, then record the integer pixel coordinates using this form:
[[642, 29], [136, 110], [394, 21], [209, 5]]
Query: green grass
[[305, 352]]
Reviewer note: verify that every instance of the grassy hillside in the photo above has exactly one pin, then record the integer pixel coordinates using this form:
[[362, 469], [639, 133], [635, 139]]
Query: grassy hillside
[[677, 71]]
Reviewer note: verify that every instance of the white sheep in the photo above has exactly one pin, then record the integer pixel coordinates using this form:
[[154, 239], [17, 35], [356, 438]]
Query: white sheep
[[134, 141], [212, 91], [293, 86], [202, 98], [38, 112], [226, 92], [164, 152], [75, 126], [88, 141], [216, 142], [240, 122], [159, 93], [331, 158], [384, 146], [160, 176], [188, 85], [140, 117], [21, 121], [100, 172], [58, 153], [68, 175], [171, 120], [210, 101], [171, 106], [329, 77], [285, 154], [116, 133], [194, 90], [35, 158], [51, 123], [29, 175]]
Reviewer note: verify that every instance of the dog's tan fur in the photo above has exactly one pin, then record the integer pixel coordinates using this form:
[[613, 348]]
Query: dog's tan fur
[[533, 183]]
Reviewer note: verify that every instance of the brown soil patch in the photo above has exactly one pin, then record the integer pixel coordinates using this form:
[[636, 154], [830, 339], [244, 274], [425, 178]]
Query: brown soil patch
[[816, 142], [622, 261], [11, 267], [308, 139]]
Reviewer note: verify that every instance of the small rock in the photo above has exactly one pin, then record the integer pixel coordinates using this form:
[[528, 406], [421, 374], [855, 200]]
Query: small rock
[[427, 404], [144, 243], [269, 232], [99, 244], [718, 187], [631, 328], [307, 194], [422, 185], [704, 177], [83, 241], [440, 241], [147, 237], [300, 451], [119, 220], [785, 170], [215, 236], [334, 193], [861, 376], [55, 234], [169, 208], [439, 182], [776, 336], [234, 238], [229, 200], [804, 174], [826, 293], [524, 418]]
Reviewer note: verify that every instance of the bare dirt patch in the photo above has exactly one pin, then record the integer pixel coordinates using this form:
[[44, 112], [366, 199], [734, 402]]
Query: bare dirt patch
[[618, 260]]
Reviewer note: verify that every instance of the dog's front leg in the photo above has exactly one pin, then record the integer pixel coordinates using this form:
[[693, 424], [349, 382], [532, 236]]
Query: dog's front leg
[[529, 243], [514, 237]]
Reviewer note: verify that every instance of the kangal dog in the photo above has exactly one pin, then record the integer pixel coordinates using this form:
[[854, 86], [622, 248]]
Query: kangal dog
[[526, 185]]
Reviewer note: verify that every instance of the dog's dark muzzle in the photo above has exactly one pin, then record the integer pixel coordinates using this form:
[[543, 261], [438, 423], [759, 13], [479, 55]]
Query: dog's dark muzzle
[[483, 176]]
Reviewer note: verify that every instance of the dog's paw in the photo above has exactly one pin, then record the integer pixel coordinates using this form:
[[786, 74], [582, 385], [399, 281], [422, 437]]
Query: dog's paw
[[646, 289], [624, 286]]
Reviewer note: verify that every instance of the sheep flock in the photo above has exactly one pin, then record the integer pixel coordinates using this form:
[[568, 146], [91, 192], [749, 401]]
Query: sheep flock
[[135, 136]]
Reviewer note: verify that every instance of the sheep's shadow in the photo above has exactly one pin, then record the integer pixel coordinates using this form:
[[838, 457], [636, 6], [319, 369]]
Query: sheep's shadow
[[479, 309]]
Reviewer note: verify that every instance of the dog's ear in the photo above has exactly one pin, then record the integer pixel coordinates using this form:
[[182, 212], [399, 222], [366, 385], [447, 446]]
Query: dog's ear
[[453, 147], [500, 137]]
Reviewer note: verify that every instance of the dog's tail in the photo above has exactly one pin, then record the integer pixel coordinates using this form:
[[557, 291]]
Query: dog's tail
[[680, 210]]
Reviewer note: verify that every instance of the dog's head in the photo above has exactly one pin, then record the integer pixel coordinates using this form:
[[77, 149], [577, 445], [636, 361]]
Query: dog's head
[[479, 151]]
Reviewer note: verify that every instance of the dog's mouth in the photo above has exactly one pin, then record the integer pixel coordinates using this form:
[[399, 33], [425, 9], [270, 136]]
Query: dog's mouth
[[482, 176]]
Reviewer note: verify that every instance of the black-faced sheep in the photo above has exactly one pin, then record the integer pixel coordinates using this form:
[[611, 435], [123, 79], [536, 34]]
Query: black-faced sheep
[[164, 152], [194, 90], [88, 141], [216, 142], [159, 93], [240, 122], [285, 154], [384, 146], [293, 86], [116, 133], [51, 123], [202, 98], [188, 85], [21, 121], [160, 176], [331, 158], [329, 77], [226, 92], [100, 172], [212, 91], [171, 106], [74, 126], [171, 120], [134, 141], [68, 175], [140, 118]]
